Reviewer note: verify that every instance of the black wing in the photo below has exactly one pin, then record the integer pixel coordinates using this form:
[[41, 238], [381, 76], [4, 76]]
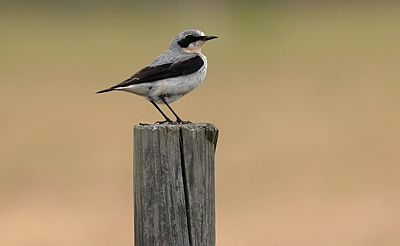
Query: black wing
[[170, 70]]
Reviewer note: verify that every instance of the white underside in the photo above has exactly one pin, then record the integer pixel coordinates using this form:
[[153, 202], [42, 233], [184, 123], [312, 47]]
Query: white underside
[[173, 88]]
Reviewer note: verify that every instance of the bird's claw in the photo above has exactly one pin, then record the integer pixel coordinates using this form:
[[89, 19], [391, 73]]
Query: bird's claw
[[163, 122], [183, 121], [170, 122]]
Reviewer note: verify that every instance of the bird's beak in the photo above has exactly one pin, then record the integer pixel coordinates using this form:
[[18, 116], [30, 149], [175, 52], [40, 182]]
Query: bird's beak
[[206, 38]]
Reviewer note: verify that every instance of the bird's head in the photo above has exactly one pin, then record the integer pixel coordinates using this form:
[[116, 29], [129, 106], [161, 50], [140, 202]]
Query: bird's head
[[190, 41]]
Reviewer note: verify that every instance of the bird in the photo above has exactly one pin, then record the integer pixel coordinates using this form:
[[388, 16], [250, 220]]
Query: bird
[[173, 74]]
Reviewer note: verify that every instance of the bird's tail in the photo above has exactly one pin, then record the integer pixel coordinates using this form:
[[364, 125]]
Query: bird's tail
[[105, 90]]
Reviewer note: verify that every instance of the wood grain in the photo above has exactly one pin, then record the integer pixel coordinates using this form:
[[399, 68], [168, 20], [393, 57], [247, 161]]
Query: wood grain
[[174, 188]]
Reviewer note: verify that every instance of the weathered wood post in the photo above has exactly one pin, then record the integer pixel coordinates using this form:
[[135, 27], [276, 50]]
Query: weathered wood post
[[174, 189]]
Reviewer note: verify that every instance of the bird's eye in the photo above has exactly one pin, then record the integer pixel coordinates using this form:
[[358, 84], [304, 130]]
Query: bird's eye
[[187, 40]]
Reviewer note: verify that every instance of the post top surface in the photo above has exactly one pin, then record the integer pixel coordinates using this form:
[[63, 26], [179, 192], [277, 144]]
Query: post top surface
[[190, 126]]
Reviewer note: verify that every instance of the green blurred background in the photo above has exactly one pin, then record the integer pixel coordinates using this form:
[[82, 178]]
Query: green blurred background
[[306, 95]]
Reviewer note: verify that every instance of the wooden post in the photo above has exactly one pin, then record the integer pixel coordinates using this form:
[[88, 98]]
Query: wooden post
[[174, 189]]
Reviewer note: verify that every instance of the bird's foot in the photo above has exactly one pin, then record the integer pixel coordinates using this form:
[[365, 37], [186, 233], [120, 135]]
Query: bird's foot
[[179, 121], [165, 121], [170, 122]]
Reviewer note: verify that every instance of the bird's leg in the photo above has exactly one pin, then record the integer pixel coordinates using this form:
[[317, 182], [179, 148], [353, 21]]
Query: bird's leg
[[178, 119], [166, 117]]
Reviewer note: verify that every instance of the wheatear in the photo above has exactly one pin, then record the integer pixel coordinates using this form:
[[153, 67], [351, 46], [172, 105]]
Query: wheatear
[[173, 74]]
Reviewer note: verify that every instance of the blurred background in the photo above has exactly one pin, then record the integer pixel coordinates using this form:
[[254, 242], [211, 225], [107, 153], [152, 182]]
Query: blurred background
[[305, 95]]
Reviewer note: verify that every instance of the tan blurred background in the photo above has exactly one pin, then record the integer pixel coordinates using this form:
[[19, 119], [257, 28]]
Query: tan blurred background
[[306, 95]]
